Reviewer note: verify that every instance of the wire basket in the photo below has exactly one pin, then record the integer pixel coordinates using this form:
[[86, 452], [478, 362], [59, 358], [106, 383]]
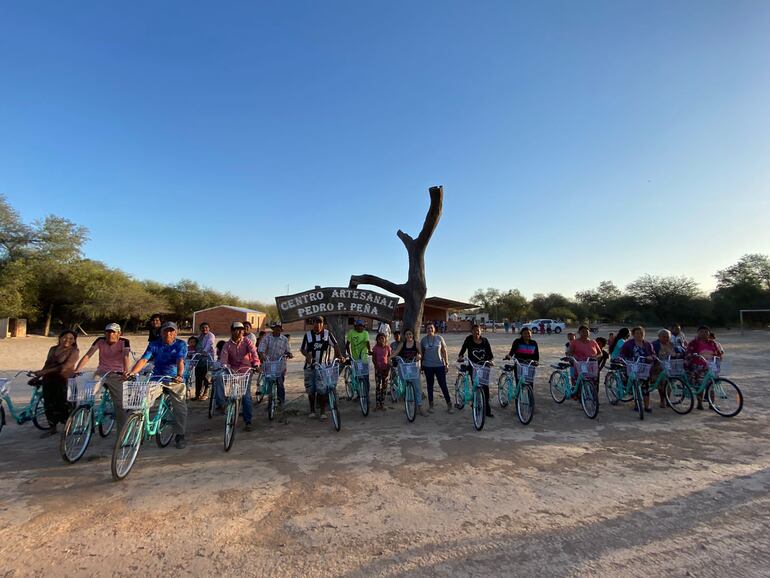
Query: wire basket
[[408, 371], [527, 373], [140, 393], [4, 385], [639, 370], [360, 368], [328, 375], [719, 366], [274, 369], [81, 393], [588, 368], [485, 373], [236, 384], [674, 367]]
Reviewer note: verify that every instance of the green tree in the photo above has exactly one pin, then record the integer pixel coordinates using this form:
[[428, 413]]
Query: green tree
[[488, 300], [666, 299], [512, 305], [745, 285]]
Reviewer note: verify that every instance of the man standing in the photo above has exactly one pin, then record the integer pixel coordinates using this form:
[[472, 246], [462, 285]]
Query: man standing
[[208, 354], [315, 348], [114, 359], [678, 339], [273, 347], [248, 333], [168, 355], [240, 355]]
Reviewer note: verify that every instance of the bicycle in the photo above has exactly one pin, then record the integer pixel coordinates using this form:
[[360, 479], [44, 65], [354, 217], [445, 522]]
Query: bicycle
[[235, 386], [562, 386], [722, 394], [139, 396], [678, 394], [521, 390], [404, 380], [33, 411], [357, 383], [86, 418], [468, 389], [328, 375], [271, 372]]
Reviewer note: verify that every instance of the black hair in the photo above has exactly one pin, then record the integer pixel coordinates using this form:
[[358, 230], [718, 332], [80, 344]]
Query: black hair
[[702, 327], [66, 331], [193, 337], [623, 333], [202, 324], [156, 316], [584, 327]]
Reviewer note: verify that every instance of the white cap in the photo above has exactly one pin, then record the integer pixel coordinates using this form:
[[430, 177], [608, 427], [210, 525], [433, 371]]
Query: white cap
[[113, 327]]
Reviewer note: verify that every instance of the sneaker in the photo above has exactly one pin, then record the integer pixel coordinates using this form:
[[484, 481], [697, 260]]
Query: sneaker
[[180, 443], [247, 427], [311, 415], [322, 416], [430, 407]]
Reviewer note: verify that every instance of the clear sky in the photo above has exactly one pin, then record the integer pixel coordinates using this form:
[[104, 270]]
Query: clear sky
[[254, 146]]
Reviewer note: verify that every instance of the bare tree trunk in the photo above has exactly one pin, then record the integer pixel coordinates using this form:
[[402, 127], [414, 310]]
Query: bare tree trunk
[[48, 318], [414, 290]]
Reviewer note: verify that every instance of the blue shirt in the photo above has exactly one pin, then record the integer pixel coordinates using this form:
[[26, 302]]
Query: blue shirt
[[165, 357]]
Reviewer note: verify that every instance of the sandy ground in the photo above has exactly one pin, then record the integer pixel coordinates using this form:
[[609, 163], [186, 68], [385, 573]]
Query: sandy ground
[[671, 495]]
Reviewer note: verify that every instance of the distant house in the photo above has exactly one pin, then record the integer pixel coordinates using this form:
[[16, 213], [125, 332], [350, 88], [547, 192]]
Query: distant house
[[221, 317]]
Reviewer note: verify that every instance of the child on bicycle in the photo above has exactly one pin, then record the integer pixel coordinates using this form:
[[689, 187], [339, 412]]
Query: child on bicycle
[[381, 353]]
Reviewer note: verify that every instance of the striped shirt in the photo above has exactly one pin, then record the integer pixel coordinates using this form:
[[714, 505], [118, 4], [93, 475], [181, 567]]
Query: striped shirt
[[274, 347]]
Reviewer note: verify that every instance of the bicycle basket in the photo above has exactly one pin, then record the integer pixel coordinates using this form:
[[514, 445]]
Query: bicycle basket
[[589, 368], [674, 367], [140, 393], [639, 370], [485, 374], [236, 384], [360, 368], [328, 375], [80, 393], [527, 372], [719, 366], [408, 371], [4, 385], [274, 369]]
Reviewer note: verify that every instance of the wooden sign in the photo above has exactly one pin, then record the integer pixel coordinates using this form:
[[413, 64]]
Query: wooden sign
[[336, 301]]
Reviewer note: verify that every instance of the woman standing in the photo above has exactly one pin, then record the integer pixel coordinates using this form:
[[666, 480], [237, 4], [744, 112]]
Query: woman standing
[[59, 367], [435, 362], [479, 351]]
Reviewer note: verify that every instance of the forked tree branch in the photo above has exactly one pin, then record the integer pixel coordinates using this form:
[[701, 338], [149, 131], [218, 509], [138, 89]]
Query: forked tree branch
[[395, 288]]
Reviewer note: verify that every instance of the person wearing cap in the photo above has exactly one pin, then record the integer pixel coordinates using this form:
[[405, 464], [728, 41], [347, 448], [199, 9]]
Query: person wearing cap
[[357, 345], [274, 347], [114, 359], [315, 347], [168, 356], [240, 355]]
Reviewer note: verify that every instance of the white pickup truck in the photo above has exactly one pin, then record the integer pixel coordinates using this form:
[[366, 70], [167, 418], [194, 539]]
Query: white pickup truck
[[534, 325]]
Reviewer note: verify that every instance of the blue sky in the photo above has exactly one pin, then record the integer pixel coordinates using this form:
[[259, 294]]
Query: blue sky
[[250, 146]]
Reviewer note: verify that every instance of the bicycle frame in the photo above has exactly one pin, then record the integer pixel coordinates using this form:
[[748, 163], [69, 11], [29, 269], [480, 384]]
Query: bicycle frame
[[708, 377], [514, 385], [22, 414]]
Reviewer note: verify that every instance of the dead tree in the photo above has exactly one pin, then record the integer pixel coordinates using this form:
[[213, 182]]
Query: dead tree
[[413, 291]]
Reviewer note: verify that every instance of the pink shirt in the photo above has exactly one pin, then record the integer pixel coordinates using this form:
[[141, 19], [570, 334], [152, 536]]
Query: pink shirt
[[381, 355], [707, 349], [110, 356], [584, 350], [239, 356]]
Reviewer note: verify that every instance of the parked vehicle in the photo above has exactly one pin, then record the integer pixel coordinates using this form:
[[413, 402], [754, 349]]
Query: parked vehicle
[[555, 326]]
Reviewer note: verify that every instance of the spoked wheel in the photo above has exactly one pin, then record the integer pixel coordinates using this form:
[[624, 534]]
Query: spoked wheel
[[2, 416], [211, 401], [363, 396], [272, 401], [77, 434], [231, 422], [348, 379], [589, 399], [127, 446], [479, 411], [724, 397], [525, 404], [38, 415], [503, 386], [410, 405], [557, 384], [611, 387], [165, 432], [638, 400], [679, 395], [259, 394], [335, 410], [393, 388], [459, 392], [108, 416]]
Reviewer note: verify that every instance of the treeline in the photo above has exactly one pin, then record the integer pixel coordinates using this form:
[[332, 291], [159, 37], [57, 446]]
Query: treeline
[[650, 299], [46, 279]]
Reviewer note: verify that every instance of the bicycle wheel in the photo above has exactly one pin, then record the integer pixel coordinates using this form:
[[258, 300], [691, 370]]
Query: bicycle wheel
[[638, 400], [127, 446], [165, 432], [479, 412], [38, 415], [410, 405], [679, 395], [231, 422], [2, 416], [259, 393], [589, 399], [612, 387], [724, 397], [348, 379], [211, 401], [557, 384], [335, 410], [272, 400], [525, 404], [363, 396], [393, 388], [77, 434], [459, 392], [108, 416], [503, 386]]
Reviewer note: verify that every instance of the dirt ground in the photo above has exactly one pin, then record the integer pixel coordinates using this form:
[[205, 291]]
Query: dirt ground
[[668, 496]]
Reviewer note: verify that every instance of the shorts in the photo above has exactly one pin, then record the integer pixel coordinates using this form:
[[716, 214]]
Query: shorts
[[313, 383]]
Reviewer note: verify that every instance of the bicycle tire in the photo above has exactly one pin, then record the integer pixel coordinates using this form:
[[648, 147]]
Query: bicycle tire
[[502, 389], [525, 404], [272, 400], [611, 387], [363, 396], [211, 401], [557, 386], [127, 446], [679, 395], [38, 415], [259, 394], [77, 434], [335, 410], [108, 416], [479, 411], [231, 422], [459, 392], [393, 387], [719, 392], [638, 399], [348, 379], [589, 399], [410, 405], [2, 416], [165, 432]]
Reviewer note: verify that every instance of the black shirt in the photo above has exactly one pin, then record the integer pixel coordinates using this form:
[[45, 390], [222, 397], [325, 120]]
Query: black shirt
[[524, 351], [154, 334], [477, 352]]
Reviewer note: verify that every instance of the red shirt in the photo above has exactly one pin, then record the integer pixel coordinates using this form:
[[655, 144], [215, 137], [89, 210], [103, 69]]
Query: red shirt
[[239, 356], [582, 350], [381, 355]]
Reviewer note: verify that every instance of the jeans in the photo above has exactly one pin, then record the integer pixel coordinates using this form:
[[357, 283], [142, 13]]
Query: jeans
[[417, 391], [439, 373], [219, 397]]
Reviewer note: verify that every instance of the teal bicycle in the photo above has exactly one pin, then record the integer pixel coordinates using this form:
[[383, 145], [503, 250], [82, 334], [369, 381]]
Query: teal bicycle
[[722, 394], [235, 387], [357, 383], [139, 397], [520, 390], [327, 375], [676, 392], [562, 385], [624, 381], [33, 411], [404, 378], [87, 416], [270, 373], [468, 389]]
